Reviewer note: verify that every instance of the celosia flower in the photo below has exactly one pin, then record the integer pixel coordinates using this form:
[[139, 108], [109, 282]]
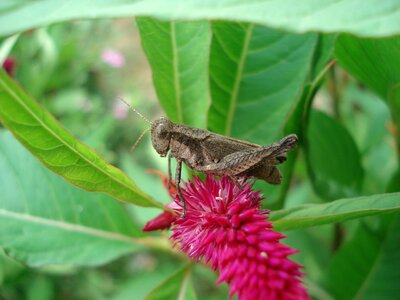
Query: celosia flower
[[226, 226]]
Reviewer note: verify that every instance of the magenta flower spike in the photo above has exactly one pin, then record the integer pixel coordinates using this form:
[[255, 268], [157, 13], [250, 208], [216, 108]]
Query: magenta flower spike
[[225, 226]]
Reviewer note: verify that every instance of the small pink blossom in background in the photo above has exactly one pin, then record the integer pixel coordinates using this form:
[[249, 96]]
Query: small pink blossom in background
[[9, 65], [120, 110], [113, 58], [225, 226]]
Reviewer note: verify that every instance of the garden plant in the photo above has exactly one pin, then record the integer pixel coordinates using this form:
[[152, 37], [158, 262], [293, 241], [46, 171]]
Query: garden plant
[[84, 215]]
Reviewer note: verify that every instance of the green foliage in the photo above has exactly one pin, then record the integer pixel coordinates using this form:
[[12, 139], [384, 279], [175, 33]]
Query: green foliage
[[376, 64], [338, 177], [336, 211], [252, 70], [365, 267], [59, 150], [256, 79], [70, 224], [367, 18], [178, 54], [176, 286]]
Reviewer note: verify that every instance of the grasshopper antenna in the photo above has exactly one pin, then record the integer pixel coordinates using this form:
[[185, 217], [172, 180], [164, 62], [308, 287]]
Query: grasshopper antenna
[[139, 139], [138, 113]]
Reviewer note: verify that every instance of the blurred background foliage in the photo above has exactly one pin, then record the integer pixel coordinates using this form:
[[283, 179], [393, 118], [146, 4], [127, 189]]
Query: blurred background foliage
[[67, 67], [75, 81]]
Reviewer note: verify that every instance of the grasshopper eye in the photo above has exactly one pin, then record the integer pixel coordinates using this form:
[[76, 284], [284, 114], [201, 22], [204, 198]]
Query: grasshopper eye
[[161, 131]]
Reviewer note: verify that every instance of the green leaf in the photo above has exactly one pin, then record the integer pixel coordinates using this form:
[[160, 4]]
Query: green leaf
[[366, 116], [366, 18], [332, 158], [376, 63], [335, 211], [140, 283], [257, 75], [367, 266], [59, 151], [177, 286], [314, 258], [45, 220], [394, 184], [10, 269], [297, 122], [178, 55]]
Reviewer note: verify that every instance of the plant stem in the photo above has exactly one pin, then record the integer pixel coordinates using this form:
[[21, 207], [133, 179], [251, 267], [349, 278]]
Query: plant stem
[[334, 92]]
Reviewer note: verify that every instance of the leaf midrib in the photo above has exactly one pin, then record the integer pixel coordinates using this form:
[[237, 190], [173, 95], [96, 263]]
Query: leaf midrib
[[68, 226]]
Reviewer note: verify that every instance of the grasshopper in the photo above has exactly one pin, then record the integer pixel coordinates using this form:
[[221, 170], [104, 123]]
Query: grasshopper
[[215, 154], [212, 153]]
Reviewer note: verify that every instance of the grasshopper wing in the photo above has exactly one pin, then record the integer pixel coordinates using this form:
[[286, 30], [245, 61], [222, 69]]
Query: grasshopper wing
[[218, 146]]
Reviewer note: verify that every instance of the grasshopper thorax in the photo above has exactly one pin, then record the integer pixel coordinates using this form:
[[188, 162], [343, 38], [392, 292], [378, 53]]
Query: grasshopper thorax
[[161, 131]]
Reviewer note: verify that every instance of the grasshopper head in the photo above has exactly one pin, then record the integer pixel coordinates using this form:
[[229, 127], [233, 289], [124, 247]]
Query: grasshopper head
[[161, 131]]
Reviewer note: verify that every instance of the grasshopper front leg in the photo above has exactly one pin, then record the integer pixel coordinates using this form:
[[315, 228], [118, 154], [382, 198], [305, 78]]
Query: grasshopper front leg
[[178, 188], [169, 171]]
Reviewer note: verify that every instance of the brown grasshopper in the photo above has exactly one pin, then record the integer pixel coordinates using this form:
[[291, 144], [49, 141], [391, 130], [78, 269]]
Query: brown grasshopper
[[211, 153]]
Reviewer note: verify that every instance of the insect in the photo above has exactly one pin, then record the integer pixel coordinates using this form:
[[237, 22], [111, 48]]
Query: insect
[[211, 153], [215, 154]]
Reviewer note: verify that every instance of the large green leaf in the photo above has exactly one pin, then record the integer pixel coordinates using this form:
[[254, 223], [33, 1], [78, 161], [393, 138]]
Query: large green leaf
[[257, 85], [177, 286], [45, 220], [257, 75], [367, 266], [333, 159], [361, 17], [59, 151], [178, 55], [256, 79], [335, 211]]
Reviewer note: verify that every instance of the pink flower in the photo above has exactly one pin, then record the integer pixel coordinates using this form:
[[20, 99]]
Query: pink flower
[[113, 57], [226, 226], [162, 221]]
